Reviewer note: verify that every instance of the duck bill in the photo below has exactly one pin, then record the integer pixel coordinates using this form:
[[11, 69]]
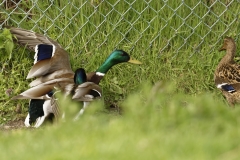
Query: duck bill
[[134, 61], [222, 48]]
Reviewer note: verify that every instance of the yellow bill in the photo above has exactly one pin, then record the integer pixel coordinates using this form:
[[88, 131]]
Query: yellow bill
[[134, 61]]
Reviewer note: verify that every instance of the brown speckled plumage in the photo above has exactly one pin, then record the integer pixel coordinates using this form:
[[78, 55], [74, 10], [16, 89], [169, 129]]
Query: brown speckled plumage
[[228, 72]]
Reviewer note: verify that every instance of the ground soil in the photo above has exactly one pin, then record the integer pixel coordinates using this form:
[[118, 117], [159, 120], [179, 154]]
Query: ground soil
[[16, 124]]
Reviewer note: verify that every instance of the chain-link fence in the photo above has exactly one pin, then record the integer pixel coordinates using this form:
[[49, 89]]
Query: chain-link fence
[[177, 24]]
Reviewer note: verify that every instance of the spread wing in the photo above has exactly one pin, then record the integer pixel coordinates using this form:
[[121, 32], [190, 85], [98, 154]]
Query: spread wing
[[40, 91], [30, 39], [50, 58]]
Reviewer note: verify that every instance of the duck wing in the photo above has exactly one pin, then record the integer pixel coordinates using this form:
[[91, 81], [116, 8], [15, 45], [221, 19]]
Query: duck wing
[[30, 39], [41, 91], [228, 73], [87, 88], [227, 77], [49, 57]]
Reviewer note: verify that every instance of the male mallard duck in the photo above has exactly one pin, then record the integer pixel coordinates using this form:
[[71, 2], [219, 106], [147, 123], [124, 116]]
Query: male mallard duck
[[52, 61], [81, 90], [227, 73], [49, 64]]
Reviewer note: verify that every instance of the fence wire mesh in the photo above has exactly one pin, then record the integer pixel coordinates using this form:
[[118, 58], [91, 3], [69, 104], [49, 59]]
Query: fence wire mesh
[[161, 24]]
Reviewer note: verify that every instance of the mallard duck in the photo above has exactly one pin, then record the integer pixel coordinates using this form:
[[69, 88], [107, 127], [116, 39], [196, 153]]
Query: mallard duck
[[48, 52], [227, 73], [51, 61], [39, 109]]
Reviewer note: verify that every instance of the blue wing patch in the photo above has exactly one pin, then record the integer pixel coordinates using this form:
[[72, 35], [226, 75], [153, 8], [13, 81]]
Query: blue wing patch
[[44, 51], [226, 87]]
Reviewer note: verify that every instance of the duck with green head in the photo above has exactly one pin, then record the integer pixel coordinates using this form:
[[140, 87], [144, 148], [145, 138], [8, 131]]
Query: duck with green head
[[52, 62], [116, 57]]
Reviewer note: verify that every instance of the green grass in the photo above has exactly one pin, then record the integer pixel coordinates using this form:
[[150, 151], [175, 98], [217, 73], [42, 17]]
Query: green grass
[[157, 123], [184, 117], [163, 41]]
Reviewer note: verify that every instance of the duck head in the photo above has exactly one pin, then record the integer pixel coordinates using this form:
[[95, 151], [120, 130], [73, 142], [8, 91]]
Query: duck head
[[228, 43], [120, 56], [116, 57]]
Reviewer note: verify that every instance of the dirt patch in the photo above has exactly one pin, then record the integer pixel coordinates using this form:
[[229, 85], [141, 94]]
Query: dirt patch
[[16, 124]]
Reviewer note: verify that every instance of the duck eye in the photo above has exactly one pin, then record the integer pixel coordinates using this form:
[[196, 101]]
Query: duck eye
[[123, 54]]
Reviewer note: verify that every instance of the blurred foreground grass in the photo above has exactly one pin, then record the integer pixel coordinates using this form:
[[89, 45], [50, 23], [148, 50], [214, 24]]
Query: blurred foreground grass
[[157, 123]]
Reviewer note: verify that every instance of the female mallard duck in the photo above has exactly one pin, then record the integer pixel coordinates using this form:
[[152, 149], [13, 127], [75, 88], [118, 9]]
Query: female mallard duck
[[81, 90], [227, 73]]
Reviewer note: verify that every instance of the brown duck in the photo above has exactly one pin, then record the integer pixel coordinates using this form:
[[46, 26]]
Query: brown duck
[[227, 73]]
